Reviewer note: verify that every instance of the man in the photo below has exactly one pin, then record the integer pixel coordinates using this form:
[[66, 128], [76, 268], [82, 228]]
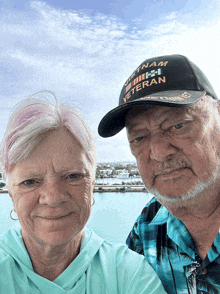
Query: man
[[172, 117]]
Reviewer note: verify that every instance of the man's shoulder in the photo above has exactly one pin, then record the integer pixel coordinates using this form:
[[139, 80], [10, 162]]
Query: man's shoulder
[[146, 227], [149, 211]]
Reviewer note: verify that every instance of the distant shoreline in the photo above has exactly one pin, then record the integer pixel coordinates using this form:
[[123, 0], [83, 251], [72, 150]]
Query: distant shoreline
[[3, 191], [108, 188]]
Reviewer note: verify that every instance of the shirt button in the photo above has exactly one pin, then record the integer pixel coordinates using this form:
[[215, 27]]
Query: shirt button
[[204, 271]]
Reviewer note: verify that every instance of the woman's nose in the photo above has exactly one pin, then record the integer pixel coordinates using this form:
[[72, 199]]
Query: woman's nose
[[53, 193]]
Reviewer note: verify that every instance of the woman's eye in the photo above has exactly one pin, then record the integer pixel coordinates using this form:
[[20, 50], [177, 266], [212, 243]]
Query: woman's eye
[[178, 126], [75, 177], [29, 182]]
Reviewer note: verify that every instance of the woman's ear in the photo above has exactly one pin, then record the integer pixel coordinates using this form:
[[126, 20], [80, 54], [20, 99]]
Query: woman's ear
[[10, 195], [12, 199]]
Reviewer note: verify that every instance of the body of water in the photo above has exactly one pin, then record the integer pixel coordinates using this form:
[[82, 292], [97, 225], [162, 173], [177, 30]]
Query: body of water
[[112, 217]]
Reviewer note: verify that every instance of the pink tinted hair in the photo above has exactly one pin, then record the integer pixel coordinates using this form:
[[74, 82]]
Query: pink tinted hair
[[31, 120]]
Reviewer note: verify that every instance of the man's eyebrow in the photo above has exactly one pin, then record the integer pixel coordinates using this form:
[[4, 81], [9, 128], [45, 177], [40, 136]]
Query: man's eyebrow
[[137, 130], [132, 127], [132, 120]]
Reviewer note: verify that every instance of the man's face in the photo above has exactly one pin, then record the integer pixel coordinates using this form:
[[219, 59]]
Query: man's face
[[177, 149]]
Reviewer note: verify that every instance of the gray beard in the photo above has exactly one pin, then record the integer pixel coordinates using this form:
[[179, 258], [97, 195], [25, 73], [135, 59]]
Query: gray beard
[[197, 189]]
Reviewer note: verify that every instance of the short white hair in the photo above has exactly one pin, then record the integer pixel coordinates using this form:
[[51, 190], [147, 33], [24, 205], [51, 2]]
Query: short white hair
[[31, 120]]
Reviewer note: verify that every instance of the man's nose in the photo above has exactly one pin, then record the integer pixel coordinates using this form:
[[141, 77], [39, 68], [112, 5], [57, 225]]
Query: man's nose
[[53, 193], [161, 148]]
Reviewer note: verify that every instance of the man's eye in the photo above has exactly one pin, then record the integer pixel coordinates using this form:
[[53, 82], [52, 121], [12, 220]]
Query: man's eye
[[73, 176], [138, 139], [178, 126]]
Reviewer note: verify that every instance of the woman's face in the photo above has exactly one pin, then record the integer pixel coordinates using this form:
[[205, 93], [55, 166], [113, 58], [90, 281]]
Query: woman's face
[[52, 189]]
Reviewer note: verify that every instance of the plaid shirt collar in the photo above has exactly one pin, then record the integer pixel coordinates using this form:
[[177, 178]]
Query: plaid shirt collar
[[178, 232]]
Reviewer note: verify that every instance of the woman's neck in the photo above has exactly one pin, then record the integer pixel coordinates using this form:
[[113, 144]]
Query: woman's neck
[[50, 261]]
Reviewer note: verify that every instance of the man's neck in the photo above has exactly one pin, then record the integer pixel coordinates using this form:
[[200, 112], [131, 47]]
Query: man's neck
[[203, 232], [201, 216]]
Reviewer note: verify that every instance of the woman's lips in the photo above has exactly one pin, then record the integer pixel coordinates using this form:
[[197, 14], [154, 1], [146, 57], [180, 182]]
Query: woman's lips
[[54, 217]]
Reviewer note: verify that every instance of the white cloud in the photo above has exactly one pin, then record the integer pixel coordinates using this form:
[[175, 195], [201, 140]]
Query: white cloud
[[171, 16], [86, 58]]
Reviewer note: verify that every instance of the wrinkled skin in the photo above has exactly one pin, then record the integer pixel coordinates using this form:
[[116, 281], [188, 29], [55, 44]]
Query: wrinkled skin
[[176, 149], [177, 152], [51, 190]]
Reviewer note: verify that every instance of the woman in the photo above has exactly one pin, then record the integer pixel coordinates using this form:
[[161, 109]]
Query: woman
[[48, 159]]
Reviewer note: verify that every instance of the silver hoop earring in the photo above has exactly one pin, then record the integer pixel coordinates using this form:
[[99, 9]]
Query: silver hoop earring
[[93, 201], [15, 219]]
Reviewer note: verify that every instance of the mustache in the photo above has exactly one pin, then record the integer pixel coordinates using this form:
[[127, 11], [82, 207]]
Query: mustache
[[171, 165]]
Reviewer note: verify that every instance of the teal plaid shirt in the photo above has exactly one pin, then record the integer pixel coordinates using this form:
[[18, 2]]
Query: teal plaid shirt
[[169, 248]]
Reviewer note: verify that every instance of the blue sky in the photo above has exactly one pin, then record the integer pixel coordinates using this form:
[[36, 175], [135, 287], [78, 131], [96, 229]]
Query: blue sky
[[126, 10], [83, 51]]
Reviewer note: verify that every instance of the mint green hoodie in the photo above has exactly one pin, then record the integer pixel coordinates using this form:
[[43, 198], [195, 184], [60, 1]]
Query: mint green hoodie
[[100, 268]]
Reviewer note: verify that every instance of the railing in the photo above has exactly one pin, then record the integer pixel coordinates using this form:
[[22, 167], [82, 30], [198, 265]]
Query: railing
[[119, 188]]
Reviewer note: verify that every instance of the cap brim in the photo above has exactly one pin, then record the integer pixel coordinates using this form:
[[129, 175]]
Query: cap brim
[[114, 121]]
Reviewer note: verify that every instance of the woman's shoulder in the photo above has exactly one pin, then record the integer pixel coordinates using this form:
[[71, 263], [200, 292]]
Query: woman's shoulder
[[14, 233], [4, 256], [122, 254], [115, 263], [112, 252], [5, 242], [10, 243]]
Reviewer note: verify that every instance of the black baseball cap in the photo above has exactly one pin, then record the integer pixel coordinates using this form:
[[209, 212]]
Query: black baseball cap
[[171, 80]]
